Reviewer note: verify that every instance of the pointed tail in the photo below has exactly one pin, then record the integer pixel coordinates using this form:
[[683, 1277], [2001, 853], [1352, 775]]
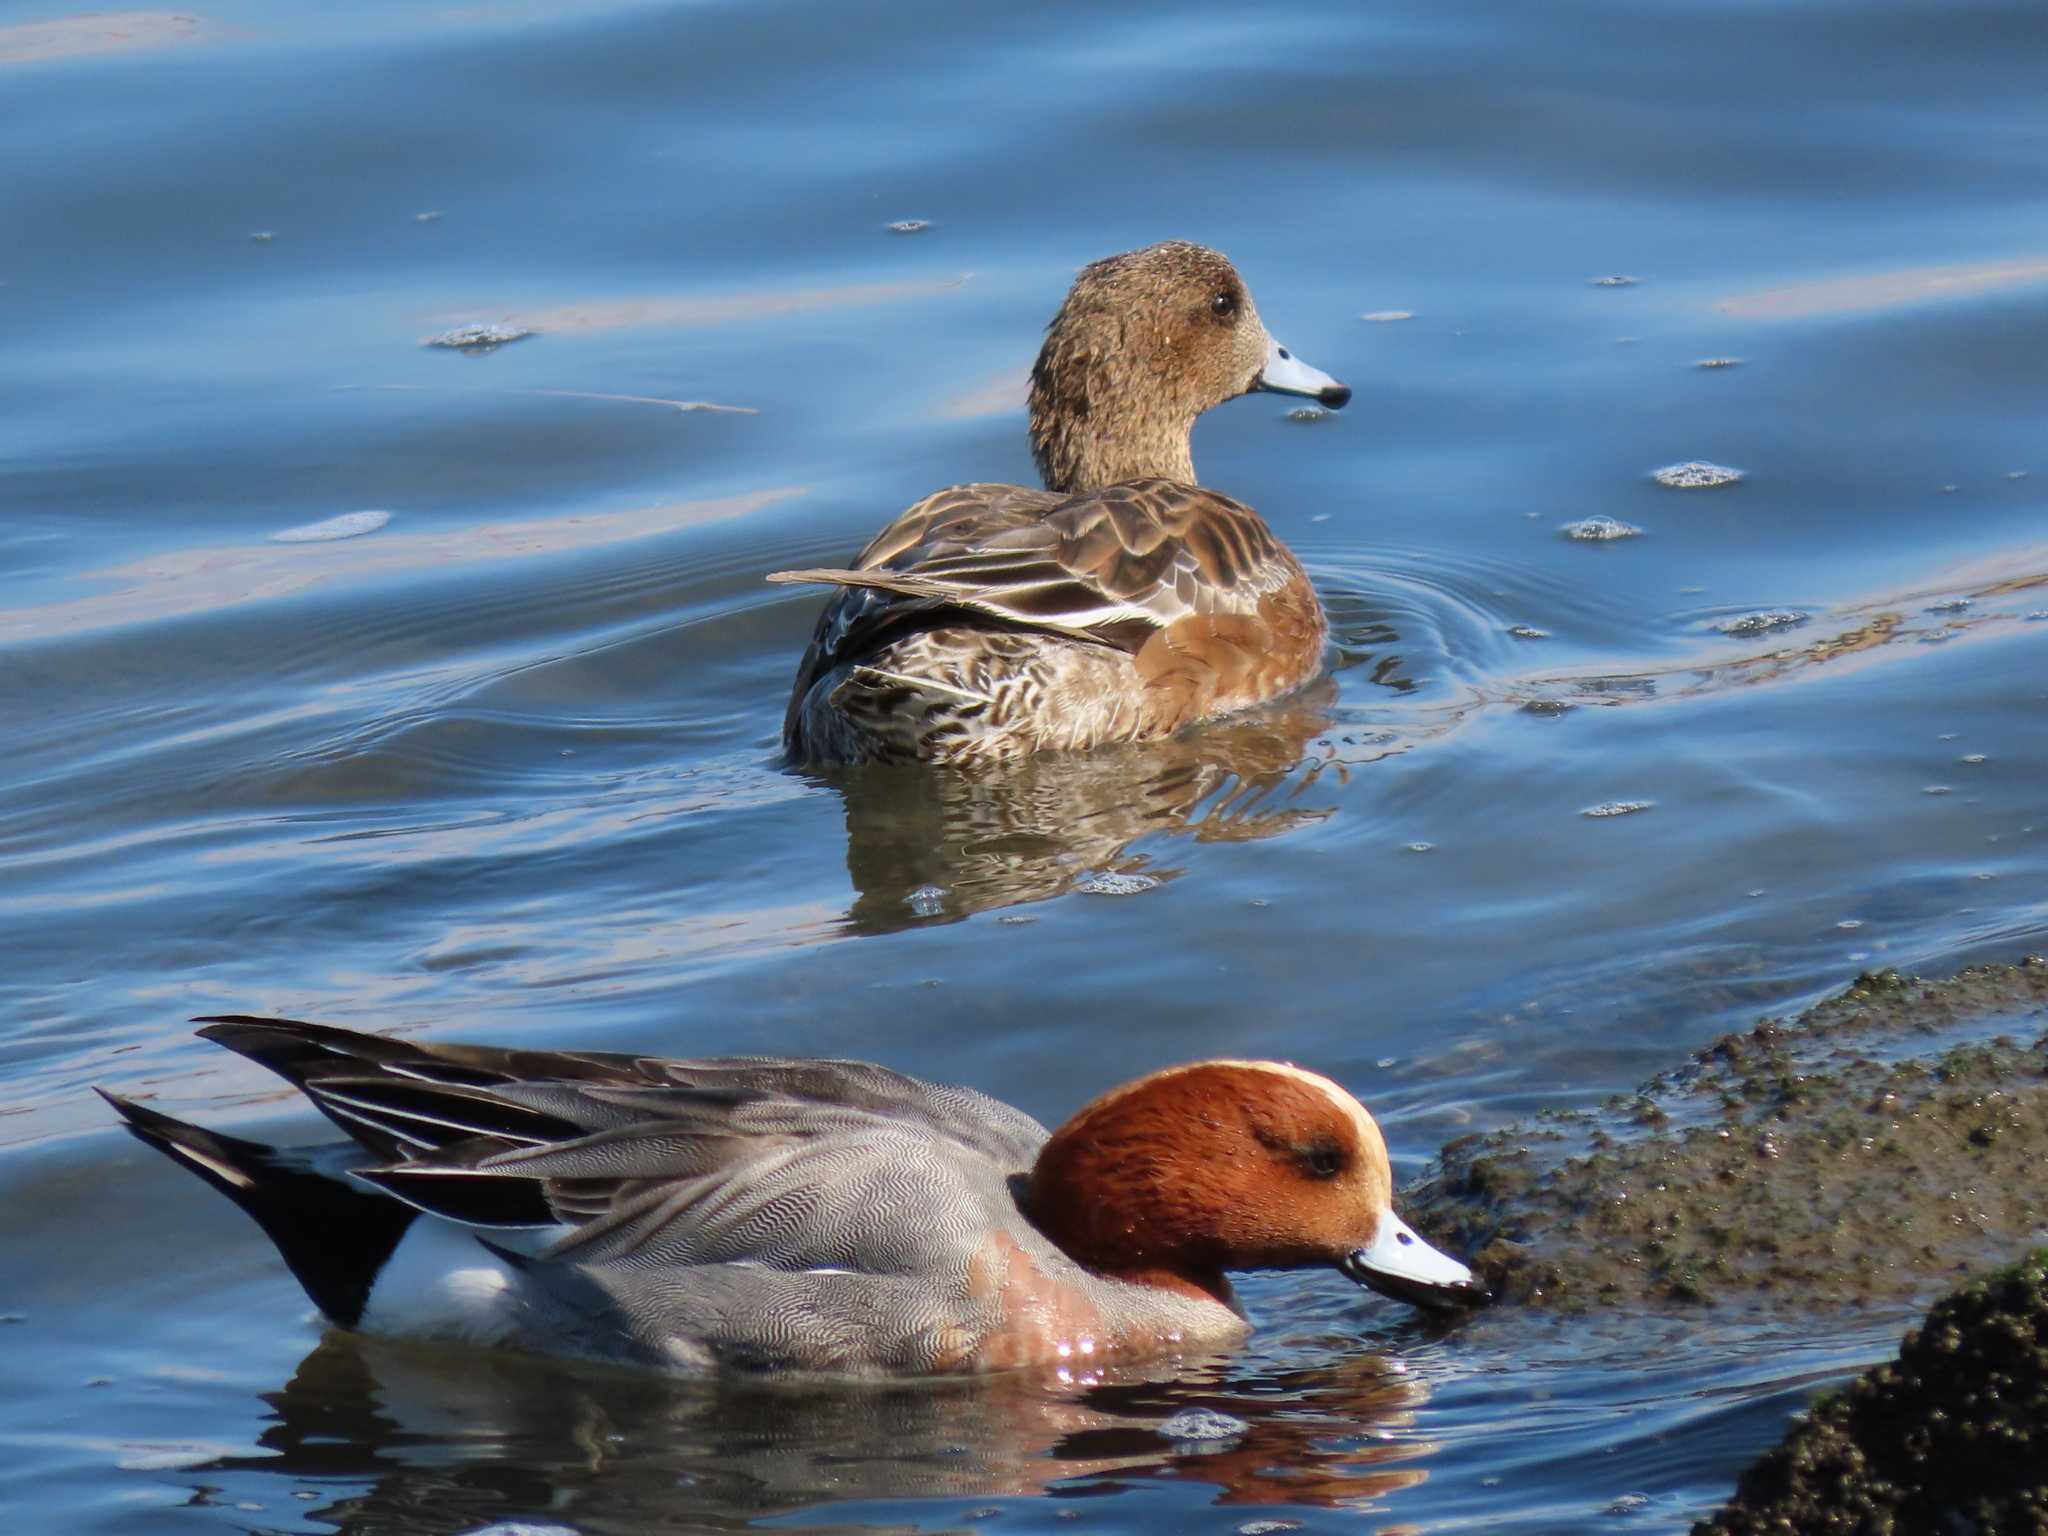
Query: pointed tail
[[334, 1233]]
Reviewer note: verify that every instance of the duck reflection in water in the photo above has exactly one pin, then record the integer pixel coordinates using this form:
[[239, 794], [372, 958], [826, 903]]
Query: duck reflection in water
[[378, 1438], [927, 846]]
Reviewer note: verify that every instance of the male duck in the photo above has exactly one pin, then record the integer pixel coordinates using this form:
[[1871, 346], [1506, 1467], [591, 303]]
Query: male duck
[[1120, 603], [779, 1214]]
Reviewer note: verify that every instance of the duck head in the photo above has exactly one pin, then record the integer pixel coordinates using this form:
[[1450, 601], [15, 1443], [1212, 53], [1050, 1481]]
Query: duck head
[[1221, 1165], [1146, 342]]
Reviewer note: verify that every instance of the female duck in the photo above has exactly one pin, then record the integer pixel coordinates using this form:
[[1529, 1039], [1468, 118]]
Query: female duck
[[1120, 603], [776, 1214]]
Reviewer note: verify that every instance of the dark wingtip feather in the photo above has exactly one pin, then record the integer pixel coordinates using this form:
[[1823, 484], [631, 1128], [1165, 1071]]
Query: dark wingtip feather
[[474, 1198], [294, 1049]]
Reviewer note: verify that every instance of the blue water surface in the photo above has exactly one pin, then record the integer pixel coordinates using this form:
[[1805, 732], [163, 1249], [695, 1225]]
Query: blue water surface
[[505, 766]]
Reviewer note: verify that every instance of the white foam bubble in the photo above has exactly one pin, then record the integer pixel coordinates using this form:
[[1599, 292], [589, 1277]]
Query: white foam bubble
[[1203, 1424], [1764, 623], [478, 338], [1596, 529], [1695, 475], [1115, 884], [1608, 808]]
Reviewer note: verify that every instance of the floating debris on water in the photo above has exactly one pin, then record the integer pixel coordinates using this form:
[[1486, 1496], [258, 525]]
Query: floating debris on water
[[1115, 884], [927, 900], [1528, 632], [1617, 808], [1599, 528], [1384, 316], [1718, 362], [349, 525], [1309, 413], [1203, 1424], [477, 338], [910, 226], [1951, 605], [1764, 623], [1695, 475], [678, 405], [1616, 280]]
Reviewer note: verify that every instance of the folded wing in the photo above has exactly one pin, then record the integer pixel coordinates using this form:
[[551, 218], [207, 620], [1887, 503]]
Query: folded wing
[[649, 1163], [1114, 566]]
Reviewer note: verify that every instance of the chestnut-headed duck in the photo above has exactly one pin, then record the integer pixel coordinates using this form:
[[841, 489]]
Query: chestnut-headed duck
[[1122, 602], [798, 1215]]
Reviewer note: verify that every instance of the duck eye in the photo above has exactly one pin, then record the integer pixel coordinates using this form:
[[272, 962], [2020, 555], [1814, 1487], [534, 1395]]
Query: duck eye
[[1322, 1160], [1224, 305]]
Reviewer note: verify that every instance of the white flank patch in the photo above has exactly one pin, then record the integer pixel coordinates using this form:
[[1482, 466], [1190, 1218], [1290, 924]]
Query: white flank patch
[[441, 1282]]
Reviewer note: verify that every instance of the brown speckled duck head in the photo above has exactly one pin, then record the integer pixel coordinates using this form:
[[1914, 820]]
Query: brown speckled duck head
[[1221, 1165], [1145, 343]]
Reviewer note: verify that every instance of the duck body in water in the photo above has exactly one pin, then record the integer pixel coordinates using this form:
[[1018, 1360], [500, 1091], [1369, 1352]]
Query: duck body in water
[[780, 1214], [1120, 603]]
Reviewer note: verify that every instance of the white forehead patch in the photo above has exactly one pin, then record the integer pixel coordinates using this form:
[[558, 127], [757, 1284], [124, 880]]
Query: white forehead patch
[[1368, 1130]]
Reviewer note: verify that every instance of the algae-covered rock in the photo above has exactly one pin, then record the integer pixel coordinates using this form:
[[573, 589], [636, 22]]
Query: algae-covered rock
[[1875, 1149], [1950, 1438]]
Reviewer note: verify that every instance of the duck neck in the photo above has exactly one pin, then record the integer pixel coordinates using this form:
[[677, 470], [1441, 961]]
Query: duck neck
[[1084, 1228], [1211, 1285], [1090, 428]]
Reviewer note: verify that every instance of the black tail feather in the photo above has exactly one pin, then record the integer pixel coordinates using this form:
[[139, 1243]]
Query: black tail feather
[[334, 1234]]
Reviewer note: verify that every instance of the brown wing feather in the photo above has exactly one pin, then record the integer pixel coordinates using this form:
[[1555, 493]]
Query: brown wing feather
[[1112, 565], [960, 514]]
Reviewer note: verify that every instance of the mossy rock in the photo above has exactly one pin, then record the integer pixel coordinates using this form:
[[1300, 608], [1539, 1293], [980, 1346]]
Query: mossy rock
[[1951, 1439], [1876, 1149]]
